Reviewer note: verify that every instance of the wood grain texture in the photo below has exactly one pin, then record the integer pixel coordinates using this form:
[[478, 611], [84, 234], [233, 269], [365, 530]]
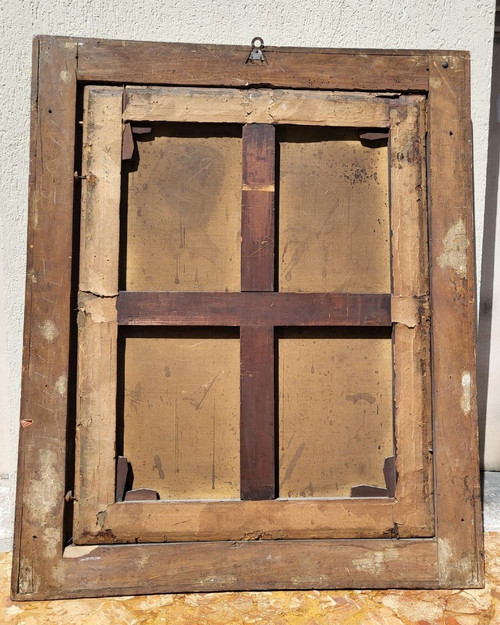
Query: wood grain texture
[[181, 414], [257, 427], [458, 502], [454, 557], [333, 212], [42, 447], [101, 168], [414, 512], [335, 411], [251, 565], [172, 521], [257, 209], [256, 106], [301, 68], [95, 470], [409, 239], [183, 210], [233, 309], [95, 467]]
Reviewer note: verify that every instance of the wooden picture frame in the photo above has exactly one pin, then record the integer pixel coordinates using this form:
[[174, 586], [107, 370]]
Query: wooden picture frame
[[434, 538]]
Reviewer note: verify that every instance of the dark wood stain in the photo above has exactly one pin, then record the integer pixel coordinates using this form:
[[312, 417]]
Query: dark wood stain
[[257, 456], [257, 216], [238, 309]]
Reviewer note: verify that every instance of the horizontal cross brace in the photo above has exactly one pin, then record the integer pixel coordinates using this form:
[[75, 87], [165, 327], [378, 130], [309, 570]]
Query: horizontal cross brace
[[148, 308]]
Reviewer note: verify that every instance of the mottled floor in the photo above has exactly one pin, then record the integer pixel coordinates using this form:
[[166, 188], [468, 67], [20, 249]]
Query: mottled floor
[[397, 607]]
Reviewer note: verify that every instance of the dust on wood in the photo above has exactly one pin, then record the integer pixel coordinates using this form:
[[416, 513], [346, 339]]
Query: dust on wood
[[255, 106], [414, 513], [187, 521], [97, 316]]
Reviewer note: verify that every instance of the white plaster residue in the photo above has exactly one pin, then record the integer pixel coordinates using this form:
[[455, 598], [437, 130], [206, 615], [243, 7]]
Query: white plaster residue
[[79, 551], [450, 564], [62, 384], [375, 562], [49, 330], [455, 246], [445, 551], [466, 390], [65, 75], [219, 579]]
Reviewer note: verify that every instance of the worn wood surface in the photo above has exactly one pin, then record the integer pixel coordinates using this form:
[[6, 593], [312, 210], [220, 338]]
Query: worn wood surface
[[256, 106], [301, 68], [181, 429], [257, 208], [453, 558], [172, 521], [458, 502], [97, 317], [100, 212], [233, 309], [251, 565], [414, 513], [333, 212], [335, 411], [38, 544], [183, 210], [257, 451], [96, 411]]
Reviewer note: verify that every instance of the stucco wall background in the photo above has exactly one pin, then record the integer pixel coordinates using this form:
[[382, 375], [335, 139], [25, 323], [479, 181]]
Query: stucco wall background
[[445, 24]]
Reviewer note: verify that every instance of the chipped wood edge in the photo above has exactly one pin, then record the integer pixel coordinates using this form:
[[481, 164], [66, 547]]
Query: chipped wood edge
[[97, 314], [456, 449], [281, 519], [413, 515], [263, 106]]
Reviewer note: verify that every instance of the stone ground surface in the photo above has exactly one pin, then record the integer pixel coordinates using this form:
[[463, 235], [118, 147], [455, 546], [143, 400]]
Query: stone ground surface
[[390, 607]]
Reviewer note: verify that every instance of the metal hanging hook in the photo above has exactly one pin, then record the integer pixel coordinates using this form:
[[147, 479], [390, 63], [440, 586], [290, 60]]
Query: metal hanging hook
[[256, 53]]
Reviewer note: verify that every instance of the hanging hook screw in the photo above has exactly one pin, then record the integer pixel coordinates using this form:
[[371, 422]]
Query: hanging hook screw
[[256, 53]]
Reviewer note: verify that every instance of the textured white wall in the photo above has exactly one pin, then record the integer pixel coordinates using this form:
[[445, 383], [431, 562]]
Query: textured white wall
[[4, 404], [446, 24], [489, 313]]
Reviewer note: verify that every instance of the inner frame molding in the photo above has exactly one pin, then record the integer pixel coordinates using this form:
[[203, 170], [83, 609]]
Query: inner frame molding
[[98, 518], [44, 565]]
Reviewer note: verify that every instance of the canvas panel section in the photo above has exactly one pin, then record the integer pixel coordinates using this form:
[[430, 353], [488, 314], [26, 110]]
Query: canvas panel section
[[182, 204], [333, 211], [181, 413], [335, 411]]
